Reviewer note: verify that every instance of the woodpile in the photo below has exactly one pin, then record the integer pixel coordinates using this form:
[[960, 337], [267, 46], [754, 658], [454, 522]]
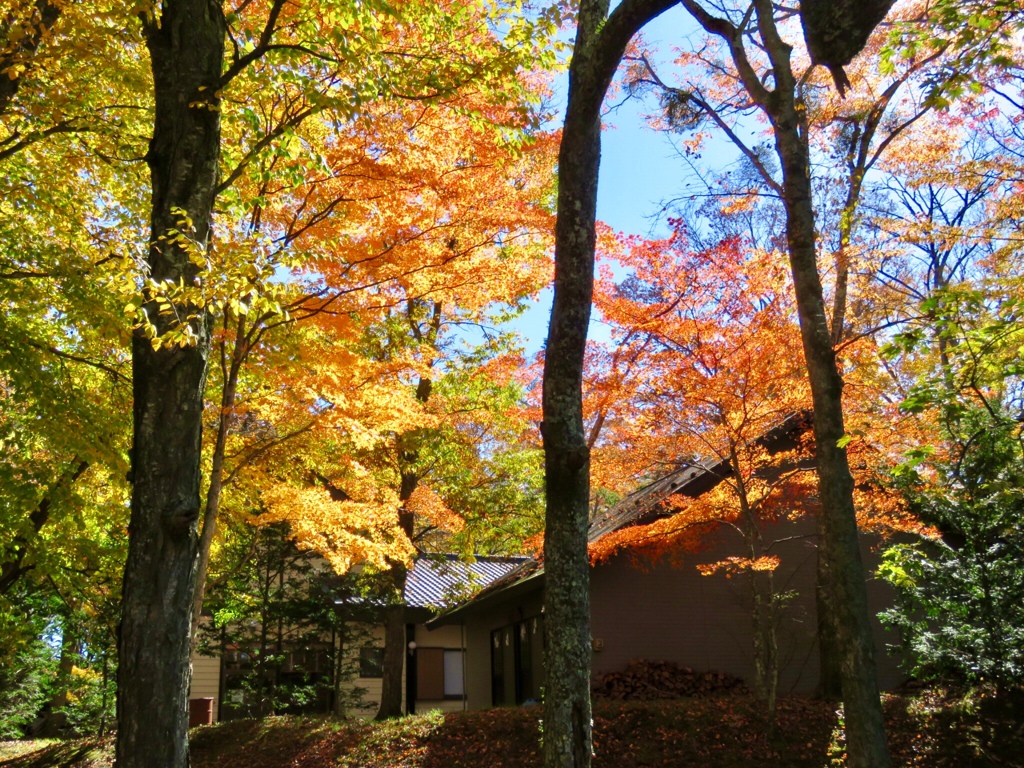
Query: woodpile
[[643, 680]]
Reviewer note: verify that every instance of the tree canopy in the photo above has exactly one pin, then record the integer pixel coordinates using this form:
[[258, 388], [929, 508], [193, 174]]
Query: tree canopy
[[259, 263]]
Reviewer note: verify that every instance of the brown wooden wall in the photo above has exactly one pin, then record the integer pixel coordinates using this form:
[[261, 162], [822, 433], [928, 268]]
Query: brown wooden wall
[[672, 612]]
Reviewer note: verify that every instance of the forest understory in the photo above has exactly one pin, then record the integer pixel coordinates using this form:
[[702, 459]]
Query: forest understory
[[933, 728]]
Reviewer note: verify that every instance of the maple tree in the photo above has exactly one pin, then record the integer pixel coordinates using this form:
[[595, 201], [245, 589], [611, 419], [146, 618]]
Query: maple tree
[[708, 372], [366, 214], [183, 279], [460, 221], [418, 220], [387, 156], [563, 429], [782, 101], [717, 369], [848, 140]]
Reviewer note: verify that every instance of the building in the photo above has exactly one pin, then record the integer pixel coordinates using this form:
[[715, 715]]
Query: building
[[664, 611], [435, 666]]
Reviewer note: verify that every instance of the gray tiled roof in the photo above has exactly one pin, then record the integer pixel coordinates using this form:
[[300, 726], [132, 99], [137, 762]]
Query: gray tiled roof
[[441, 580]]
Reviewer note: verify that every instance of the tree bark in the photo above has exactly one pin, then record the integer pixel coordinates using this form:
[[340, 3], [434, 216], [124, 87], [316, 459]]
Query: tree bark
[[841, 576], [600, 43], [394, 622], [764, 601], [187, 54], [841, 571], [213, 493], [393, 661], [394, 617]]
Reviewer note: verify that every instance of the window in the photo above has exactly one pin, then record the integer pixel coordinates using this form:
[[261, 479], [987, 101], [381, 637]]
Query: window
[[453, 684], [498, 668], [525, 688], [371, 661]]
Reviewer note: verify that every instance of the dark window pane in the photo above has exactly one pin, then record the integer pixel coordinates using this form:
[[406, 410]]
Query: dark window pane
[[371, 661]]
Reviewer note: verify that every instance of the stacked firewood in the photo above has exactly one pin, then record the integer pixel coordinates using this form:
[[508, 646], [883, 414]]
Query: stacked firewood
[[644, 679]]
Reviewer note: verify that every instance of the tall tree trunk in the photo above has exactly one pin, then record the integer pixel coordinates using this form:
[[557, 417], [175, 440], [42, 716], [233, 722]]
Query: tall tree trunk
[[394, 619], [394, 657], [394, 623], [600, 43], [830, 677], [840, 569], [841, 577], [841, 573], [764, 600], [186, 49], [338, 708]]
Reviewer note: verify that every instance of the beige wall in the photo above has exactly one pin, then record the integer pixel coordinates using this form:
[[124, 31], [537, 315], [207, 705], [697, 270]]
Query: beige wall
[[372, 685], [478, 630], [206, 673], [206, 680], [443, 637]]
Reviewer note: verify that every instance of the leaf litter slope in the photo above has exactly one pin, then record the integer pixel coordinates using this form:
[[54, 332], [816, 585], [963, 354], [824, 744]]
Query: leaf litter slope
[[930, 729]]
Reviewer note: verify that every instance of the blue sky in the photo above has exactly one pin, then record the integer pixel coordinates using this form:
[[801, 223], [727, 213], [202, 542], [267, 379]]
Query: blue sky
[[640, 169]]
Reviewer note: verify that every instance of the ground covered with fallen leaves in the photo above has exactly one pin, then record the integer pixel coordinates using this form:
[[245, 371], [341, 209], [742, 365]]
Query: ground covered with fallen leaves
[[932, 728]]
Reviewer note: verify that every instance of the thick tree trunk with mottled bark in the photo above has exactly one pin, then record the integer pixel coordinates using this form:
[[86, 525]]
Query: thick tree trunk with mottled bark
[[394, 658], [600, 43], [187, 55]]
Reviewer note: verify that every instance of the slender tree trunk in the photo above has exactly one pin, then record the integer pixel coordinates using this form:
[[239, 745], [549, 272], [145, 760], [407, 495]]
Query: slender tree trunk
[[762, 589], [841, 572], [567, 713], [394, 626], [830, 678], [101, 731], [394, 619], [186, 49], [841, 575], [338, 648], [766, 646], [209, 529], [600, 44]]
